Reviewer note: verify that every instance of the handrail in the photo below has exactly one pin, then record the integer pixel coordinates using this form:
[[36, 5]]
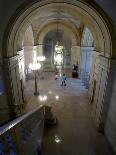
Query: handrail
[[11, 124], [24, 134]]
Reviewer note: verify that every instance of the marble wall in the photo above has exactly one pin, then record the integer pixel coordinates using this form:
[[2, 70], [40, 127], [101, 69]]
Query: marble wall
[[13, 88], [4, 109], [28, 55], [110, 127], [86, 64], [103, 75]]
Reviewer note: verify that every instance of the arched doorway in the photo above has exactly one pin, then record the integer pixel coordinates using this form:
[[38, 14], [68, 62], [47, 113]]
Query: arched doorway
[[61, 32]]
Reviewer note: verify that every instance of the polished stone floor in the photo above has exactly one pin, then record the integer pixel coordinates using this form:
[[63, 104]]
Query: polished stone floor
[[75, 133]]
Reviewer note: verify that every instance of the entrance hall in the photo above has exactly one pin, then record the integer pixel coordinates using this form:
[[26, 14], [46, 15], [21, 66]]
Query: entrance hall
[[75, 132], [58, 54]]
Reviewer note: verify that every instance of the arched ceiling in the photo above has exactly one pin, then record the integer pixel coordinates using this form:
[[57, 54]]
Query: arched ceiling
[[76, 13], [68, 37], [50, 14], [69, 28], [54, 14]]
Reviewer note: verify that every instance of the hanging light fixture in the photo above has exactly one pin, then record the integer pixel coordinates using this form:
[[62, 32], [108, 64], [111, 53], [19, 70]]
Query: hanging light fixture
[[58, 53]]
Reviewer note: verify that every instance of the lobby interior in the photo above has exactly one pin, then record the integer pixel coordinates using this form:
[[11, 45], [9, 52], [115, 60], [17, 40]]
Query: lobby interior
[[40, 41]]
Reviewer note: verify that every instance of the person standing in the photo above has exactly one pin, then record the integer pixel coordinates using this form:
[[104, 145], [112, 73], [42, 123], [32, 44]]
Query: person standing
[[63, 78]]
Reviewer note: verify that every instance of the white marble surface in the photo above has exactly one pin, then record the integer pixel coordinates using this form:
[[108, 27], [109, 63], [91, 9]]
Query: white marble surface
[[75, 133]]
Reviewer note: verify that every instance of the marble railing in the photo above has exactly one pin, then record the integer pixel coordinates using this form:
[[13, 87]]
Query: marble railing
[[23, 136]]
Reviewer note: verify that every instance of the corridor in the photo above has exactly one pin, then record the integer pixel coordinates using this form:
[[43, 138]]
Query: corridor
[[39, 38], [75, 133]]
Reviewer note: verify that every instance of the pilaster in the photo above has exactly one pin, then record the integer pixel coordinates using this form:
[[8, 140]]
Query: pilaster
[[86, 63], [104, 83], [13, 85]]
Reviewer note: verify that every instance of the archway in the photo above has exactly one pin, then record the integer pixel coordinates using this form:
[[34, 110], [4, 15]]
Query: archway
[[68, 39], [90, 16], [80, 10]]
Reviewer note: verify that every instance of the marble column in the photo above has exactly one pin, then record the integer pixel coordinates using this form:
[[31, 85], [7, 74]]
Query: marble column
[[28, 55], [86, 64], [103, 75], [13, 88]]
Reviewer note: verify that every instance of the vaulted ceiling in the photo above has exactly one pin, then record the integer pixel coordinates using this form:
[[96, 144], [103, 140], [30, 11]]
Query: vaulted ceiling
[[72, 16]]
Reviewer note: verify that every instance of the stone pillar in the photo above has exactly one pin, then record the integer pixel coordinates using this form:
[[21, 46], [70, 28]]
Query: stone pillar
[[102, 75], [28, 55], [92, 82], [21, 64], [67, 58], [39, 50], [14, 90], [75, 55], [86, 64], [4, 108]]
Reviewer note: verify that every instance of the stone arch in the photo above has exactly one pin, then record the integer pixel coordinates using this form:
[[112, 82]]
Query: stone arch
[[95, 18], [25, 38], [87, 38], [69, 30], [75, 36]]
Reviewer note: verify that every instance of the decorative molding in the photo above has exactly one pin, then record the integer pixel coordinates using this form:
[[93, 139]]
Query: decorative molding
[[10, 63]]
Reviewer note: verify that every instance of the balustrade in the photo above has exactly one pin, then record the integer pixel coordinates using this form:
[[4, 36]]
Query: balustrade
[[23, 136]]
